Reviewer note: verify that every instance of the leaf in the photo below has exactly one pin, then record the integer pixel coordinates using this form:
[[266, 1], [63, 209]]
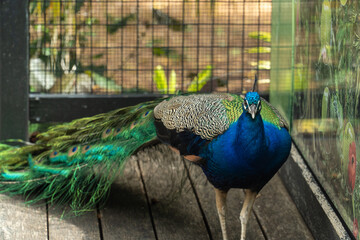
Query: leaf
[[265, 36], [91, 20], [202, 78], [236, 51], [78, 5], [164, 19], [154, 42], [262, 65], [165, 51], [44, 5], [118, 23], [259, 49], [172, 82], [325, 23], [97, 56], [56, 9], [160, 79], [46, 51], [100, 69], [104, 82], [33, 6]]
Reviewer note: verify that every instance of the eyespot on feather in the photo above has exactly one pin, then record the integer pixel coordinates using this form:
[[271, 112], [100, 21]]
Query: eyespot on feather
[[72, 151], [117, 131], [145, 114], [107, 133], [54, 154], [133, 124], [85, 148]]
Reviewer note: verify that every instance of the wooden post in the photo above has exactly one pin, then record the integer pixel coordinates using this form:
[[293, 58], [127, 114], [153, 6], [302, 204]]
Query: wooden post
[[14, 69]]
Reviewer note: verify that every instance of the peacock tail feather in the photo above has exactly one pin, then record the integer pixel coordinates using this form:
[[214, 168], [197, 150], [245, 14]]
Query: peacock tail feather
[[77, 162]]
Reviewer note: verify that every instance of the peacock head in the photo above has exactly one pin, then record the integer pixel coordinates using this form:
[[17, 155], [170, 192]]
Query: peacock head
[[252, 103]]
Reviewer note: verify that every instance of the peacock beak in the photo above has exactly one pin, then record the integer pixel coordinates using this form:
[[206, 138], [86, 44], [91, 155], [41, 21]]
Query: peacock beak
[[253, 110]]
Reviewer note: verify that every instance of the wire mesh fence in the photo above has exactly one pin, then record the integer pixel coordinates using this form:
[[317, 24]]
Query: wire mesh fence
[[152, 46]]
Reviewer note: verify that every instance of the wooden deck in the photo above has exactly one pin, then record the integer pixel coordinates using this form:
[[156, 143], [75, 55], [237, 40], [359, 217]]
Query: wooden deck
[[144, 204]]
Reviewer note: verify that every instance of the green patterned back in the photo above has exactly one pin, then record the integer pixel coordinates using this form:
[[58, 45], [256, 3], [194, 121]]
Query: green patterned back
[[234, 107]]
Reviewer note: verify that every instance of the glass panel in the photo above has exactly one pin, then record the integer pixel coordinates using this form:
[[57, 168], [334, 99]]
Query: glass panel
[[318, 86], [281, 57]]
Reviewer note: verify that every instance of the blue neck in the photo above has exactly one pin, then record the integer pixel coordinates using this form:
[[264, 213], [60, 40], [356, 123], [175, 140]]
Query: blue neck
[[250, 136]]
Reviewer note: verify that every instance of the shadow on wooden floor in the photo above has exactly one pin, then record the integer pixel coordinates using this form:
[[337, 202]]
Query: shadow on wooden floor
[[144, 204]]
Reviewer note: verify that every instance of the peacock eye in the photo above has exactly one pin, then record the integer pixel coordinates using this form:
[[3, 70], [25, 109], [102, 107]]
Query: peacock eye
[[85, 148], [72, 151]]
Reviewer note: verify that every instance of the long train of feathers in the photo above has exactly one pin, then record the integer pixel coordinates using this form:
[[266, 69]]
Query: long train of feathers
[[78, 161]]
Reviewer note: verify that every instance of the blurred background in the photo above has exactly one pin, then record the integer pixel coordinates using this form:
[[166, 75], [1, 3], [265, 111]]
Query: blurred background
[[159, 46]]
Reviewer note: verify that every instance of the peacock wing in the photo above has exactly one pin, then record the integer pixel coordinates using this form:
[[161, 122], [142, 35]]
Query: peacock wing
[[270, 114], [188, 122]]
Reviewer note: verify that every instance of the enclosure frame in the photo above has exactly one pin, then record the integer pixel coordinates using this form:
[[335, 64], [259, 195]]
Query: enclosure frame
[[14, 69]]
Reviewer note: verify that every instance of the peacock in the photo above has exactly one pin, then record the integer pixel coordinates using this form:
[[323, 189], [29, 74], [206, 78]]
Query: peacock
[[238, 142]]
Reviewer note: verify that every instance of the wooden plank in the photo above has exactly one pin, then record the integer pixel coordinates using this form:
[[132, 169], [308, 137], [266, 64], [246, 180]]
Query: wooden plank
[[19, 221], [278, 214], [234, 201], [176, 214], [126, 215], [322, 220], [72, 227]]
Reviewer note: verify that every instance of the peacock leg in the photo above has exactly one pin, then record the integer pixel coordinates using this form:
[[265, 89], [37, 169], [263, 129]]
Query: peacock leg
[[221, 208], [250, 197]]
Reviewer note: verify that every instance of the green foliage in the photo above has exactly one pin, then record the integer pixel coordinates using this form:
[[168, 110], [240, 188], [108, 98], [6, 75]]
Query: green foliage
[[42, 5], [99, 69], [161, 81], [196, 84], [172, 82], [200, 80], [78, 5], [171, 22], [325, 24], [154, 42], [162, 51], [104, 82], [116, 23], [259, 50], [97, 56], [262, 65], [91, 20], [165, 52], [265, 36]]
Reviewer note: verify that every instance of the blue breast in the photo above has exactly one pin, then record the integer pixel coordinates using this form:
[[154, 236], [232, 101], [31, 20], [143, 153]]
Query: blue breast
[[247, 155]]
